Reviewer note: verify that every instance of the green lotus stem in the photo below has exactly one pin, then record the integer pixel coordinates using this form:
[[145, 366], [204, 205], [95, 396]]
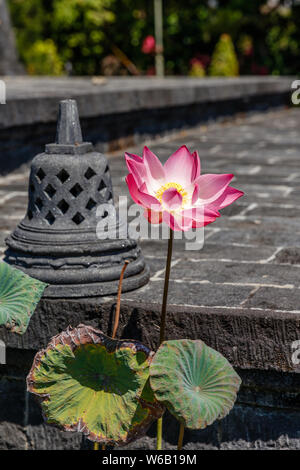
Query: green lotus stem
[[117, 316], [159, 434], [180, 437], [163, 322], [97, 446], [166, 289]]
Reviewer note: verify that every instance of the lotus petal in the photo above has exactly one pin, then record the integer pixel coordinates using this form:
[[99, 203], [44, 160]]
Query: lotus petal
[[177, 190]]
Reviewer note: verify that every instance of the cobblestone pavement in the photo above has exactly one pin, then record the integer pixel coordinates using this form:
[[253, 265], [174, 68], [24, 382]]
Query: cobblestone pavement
[[251, 255]]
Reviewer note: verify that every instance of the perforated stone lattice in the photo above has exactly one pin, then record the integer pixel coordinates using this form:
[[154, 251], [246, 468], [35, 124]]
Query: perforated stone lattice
[[61, 240], [64, 195]]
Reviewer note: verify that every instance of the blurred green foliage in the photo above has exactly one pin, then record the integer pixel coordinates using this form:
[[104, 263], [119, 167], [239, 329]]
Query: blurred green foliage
[[197, 69], [224, 62], [82, 33], [76, 29], [42, 58]]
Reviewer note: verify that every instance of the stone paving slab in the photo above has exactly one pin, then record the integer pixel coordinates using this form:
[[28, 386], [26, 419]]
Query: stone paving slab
[[249, 268]]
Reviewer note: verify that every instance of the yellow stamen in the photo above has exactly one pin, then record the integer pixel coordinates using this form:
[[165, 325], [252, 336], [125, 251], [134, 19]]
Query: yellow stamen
[[177, 186]]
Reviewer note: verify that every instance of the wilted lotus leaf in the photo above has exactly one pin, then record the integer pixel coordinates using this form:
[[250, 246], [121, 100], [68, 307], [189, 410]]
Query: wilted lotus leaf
[[90, 383], [195, 382], [19, 296]]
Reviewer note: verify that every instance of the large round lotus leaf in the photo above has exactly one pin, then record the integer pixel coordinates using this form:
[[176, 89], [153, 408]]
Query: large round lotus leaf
[[195, 382], [19, 296], [93, 384]]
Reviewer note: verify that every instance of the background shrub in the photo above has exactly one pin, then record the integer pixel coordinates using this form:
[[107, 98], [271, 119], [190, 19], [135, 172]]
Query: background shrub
[[224, 62], [266, 36]]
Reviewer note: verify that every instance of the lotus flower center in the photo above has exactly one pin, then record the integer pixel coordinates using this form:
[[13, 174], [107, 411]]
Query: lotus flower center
[[177, 186]]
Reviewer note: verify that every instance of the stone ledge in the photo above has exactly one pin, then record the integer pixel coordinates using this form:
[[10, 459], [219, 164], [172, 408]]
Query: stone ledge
[[34, 99], [248, 338], [121, 112]]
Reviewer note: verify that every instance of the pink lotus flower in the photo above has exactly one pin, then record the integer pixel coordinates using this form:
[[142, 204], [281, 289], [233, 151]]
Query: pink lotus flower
[[176, 193], [148, 46]]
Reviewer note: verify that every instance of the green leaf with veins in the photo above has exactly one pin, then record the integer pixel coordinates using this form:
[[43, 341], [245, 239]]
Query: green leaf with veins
[[19, 296], [91, 383], [195, 382]]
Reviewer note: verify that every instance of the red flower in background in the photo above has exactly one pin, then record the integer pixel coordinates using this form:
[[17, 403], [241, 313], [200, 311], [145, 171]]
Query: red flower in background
[[150, 71], [259, 69], [148, 46], [202, 59]]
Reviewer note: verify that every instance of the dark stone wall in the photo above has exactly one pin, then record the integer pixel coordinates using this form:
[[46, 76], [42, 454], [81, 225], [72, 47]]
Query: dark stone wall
[[248, 338], [266, 416], [267, 412], [117, 131]]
